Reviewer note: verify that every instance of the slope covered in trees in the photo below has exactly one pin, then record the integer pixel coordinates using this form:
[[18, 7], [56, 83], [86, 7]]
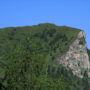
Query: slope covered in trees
[[27, 58]]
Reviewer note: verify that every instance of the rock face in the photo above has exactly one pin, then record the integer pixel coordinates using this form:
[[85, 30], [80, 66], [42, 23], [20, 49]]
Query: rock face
[[77, 58]]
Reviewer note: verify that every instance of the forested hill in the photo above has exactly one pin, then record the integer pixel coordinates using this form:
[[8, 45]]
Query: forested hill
[[46, 38], [27, 58]]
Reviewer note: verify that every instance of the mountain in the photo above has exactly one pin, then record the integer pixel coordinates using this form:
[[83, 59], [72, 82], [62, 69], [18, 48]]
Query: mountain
[[44, 57], [77, 57]]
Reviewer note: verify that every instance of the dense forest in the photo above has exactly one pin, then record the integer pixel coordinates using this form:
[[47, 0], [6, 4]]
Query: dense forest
[[27, 58]]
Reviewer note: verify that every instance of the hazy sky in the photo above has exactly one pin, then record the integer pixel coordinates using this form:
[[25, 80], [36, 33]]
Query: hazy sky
[[74, 13]]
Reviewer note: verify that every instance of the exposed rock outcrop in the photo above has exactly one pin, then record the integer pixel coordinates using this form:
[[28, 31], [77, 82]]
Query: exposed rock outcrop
[[77, 58]]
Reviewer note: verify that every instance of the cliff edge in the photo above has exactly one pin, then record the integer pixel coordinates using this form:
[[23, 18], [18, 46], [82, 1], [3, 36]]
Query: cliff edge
[[77, 58]]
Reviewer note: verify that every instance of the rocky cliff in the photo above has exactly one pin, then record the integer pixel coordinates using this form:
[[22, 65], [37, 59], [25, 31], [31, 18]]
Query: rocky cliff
[[76, 58]]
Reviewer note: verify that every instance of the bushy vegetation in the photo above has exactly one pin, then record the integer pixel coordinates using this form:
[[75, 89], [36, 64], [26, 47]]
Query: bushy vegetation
[[88, 53], [27, 58]]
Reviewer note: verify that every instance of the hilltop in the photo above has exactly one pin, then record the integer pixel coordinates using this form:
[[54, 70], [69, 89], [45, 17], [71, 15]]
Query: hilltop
[[35, 57]]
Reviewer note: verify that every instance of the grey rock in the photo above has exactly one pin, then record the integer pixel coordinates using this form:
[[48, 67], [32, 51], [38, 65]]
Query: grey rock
[[77, 58]]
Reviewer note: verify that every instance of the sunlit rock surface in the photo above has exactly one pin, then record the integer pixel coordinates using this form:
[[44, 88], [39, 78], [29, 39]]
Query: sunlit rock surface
[[77, 58]]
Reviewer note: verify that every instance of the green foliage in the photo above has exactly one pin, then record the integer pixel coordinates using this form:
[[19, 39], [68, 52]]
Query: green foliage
[[27, 58], [82, 41], [88, 53]]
